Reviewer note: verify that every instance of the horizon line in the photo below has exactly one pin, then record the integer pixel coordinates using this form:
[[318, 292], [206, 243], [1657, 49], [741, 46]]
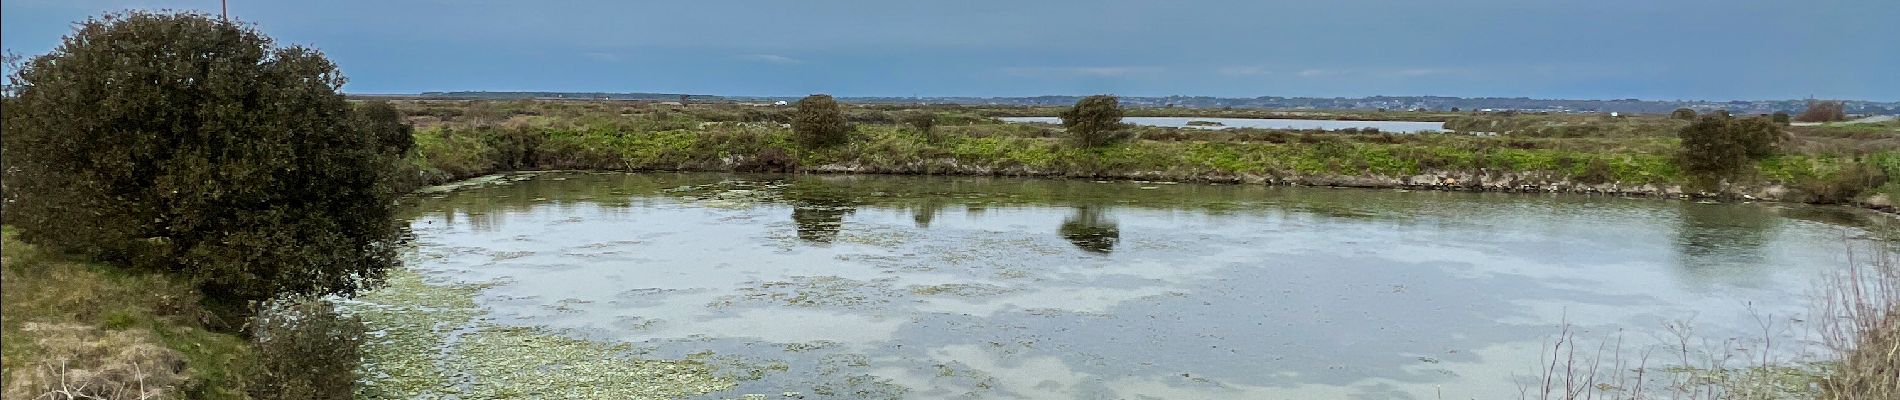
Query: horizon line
[[1896, 100]]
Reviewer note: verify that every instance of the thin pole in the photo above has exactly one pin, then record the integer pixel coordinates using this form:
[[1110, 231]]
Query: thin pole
[[224, 10]]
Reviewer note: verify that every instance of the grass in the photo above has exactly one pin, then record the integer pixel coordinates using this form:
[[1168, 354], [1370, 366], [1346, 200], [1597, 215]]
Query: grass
[[1856, 325], [1820, 164], [48, 298], [446, 152]]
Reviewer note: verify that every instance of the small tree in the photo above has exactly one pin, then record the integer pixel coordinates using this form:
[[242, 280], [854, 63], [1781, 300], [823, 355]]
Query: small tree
[[183, 143], [1095, 121], [1683, 114], [305, 350], [1780, 117], [1823, 111], [1718, 147], [818, 121]]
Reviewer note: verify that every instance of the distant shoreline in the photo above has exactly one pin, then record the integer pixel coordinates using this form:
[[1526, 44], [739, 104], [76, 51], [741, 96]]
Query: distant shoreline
[[1391, 103]]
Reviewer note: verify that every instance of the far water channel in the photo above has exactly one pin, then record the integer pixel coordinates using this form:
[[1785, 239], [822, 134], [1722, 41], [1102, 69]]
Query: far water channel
[[1262, 123], [848, 287]]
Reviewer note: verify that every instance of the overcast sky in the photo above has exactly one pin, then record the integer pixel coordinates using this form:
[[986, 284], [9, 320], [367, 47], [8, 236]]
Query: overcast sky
[[1650, 49]]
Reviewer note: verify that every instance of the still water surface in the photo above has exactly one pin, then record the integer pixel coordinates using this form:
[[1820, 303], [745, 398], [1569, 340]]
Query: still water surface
[[933, 287], [1263, 123]]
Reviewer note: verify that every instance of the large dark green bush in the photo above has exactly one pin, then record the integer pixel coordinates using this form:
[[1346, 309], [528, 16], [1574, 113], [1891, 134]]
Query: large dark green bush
[[184, 143], [1682, 114], [818, 121], [305, 350], [383, 121], [1718, 147], [1095, 121], [1823, 111], [514, 148]]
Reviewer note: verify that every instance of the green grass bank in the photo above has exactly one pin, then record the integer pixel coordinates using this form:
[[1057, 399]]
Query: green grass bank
[[72, 325], [1527, 153]]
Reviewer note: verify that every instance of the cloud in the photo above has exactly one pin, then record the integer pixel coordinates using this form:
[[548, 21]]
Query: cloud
[[770, 59], [1077, 72], [1244, 71]]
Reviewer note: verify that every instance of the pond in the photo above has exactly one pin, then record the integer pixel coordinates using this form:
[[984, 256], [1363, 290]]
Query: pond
[[1263, 123], [679, 285]]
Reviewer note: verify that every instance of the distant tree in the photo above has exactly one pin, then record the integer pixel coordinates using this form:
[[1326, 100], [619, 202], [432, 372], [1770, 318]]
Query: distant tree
[[1823, 111], [1454, 109], [818, 121], [184, 143], [1780, 117], [1718, 147], [1095, 121], [1683, 114]]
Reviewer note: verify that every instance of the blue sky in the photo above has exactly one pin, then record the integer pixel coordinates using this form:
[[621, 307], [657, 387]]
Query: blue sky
[[1649, 49]]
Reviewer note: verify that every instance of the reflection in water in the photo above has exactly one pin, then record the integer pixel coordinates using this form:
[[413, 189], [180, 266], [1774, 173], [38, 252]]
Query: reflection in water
[[818, 209], [926, 210], [1724, 240], [819, 224], [1089, 230], [1235, 291]]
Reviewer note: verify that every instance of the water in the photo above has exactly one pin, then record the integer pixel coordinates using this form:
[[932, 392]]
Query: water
[[933, 287], [1265, 123]]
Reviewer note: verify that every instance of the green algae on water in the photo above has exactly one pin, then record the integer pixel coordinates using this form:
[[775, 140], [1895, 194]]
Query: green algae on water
[[429, 342]]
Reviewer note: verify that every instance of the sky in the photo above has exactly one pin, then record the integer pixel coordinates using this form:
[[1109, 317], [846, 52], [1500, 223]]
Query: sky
[[1576, 49]]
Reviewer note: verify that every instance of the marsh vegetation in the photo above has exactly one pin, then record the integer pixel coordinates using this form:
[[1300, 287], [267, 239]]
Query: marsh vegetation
[[196, 212]]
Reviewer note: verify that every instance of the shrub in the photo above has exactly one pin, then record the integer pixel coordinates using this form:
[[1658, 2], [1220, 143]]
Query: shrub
[[818, 121], [1823, 111], [870, 117], [924, 122], [1859, 323], [384, 122], [1095, 121], [1780, 118], [305, 350], [1843, 185], [1683, 114], [769, 159], [1718, 147], [183, 143], [1595, 172], [515, 148]]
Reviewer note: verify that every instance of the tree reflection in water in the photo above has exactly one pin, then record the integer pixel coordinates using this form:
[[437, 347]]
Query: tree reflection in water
[[1091, 230], [818, 209]]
